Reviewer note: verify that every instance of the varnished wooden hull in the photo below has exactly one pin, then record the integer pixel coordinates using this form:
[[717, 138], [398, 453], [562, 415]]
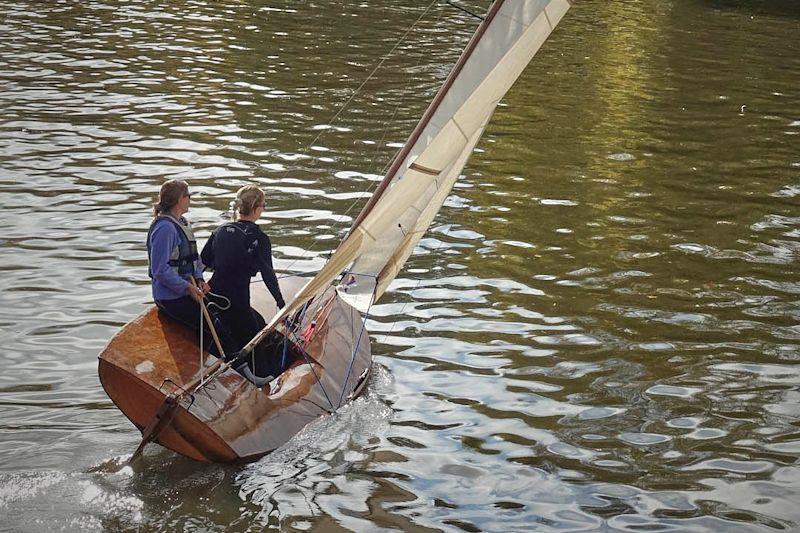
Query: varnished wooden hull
[[230, 419]]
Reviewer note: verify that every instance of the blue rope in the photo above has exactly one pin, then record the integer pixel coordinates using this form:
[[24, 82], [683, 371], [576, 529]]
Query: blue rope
[[311, 366], [303, 352], [285, 349], [355, 349]]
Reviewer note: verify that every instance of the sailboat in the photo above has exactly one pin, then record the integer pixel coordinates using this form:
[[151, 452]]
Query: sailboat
[[199, 405]]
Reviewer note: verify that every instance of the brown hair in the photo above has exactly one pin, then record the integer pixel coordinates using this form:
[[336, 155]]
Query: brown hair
[[169, 195], [248, 198]]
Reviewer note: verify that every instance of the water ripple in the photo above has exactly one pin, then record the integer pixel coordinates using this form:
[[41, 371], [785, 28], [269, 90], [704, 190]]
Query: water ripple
[[599, 331]]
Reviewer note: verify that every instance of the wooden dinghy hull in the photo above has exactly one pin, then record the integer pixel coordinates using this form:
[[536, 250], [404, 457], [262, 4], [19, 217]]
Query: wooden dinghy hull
[[230, 419]]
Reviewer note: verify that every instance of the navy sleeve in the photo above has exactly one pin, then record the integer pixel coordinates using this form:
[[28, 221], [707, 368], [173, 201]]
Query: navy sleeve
[[267, 271], [207, 255]]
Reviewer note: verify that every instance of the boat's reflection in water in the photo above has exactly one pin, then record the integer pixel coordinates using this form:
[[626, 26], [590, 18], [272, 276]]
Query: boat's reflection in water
[[322, 455], [164, 489]]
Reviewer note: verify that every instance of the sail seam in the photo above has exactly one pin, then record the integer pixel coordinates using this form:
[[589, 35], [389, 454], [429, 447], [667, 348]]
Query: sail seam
[[460, 129], [547, 17], [367, 233], [401, 157], [424, 170]]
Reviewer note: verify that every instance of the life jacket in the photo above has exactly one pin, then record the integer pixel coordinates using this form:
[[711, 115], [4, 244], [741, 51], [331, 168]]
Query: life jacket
[[234, 246], [182, 257]]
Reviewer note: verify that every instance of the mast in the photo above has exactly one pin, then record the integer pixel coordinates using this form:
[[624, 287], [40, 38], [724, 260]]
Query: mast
[[422, 174], [426, 117]]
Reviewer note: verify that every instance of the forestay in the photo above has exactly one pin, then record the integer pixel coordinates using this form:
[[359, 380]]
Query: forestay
[[424, 172]]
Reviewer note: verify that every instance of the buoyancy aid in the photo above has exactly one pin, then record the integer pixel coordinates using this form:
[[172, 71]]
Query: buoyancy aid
[[181, 257]]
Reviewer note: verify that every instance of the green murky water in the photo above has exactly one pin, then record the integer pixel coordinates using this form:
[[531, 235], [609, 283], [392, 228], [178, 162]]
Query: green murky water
[[601, 329]]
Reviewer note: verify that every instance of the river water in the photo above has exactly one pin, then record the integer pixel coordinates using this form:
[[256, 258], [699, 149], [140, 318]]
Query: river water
[[601, 330]]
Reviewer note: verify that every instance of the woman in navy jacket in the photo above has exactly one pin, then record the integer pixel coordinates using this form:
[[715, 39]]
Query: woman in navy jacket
[[236, 251]]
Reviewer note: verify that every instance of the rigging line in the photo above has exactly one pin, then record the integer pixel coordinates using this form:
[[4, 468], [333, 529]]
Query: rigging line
[[341, 110], [206, 391], [464, 9], [419, 280], [203, 308], [355, 202], [399, 103], [303, 313], [217, 305], [295, 324], [370, 76], [315, 404], [429, 114], [373, 184], [347, 211], [346, 271], [311, 366], [290, 275], [355, 349], [285, 340]]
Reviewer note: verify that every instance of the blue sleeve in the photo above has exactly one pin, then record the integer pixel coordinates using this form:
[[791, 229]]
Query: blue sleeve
[[162, 241], [198, 268]]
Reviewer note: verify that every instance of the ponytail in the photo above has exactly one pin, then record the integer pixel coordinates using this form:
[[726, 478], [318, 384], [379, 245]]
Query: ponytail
[[169, 196], [234, 210], [248, 198]]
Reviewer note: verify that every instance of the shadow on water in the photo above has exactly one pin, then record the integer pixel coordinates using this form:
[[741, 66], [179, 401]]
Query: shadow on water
[[773, 8]]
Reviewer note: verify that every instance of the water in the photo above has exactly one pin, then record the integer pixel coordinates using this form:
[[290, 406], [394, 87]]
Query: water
[[600, 330]]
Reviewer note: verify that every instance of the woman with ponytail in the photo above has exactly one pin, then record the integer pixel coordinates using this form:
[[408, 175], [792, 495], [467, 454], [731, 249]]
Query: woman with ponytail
[[236, 251], [174, 266]]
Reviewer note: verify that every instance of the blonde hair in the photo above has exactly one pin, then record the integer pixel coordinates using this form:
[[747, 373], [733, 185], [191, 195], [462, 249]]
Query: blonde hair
[[170, 194], [248, 198]]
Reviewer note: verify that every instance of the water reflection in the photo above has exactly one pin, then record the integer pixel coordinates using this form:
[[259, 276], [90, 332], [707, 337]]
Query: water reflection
[[599, 331]]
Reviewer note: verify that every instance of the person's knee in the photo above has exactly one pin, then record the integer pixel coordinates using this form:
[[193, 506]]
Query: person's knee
[[185, 311]]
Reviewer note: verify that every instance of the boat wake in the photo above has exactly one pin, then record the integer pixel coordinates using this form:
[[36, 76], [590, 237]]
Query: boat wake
[[309, 465]]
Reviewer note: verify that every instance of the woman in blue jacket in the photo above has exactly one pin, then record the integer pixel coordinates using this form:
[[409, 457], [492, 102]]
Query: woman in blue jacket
[[174, 265]]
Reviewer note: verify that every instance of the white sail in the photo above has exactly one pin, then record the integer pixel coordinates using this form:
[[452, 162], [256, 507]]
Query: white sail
[[512, 36], [423, 174]]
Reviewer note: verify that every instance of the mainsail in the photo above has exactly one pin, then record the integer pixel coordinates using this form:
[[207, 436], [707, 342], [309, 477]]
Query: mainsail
[[425, 170]]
